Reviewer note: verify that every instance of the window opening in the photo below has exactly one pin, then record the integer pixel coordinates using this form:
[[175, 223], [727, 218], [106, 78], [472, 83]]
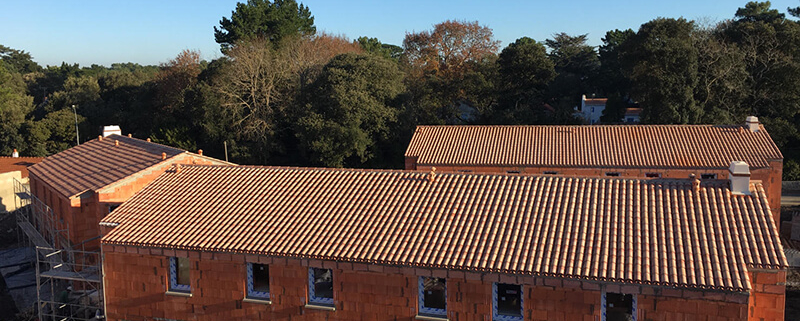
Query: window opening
[[179, 270], [507, 302], [432, 296], [619, 307], [320, 286], [257, 281]]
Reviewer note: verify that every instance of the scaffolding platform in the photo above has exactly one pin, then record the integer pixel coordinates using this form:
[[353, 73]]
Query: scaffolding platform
[[86, 275], [32, 234]]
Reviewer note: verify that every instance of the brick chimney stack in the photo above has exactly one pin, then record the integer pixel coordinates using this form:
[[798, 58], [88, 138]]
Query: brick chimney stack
[[15, 153], [752, 123], [740, 178]]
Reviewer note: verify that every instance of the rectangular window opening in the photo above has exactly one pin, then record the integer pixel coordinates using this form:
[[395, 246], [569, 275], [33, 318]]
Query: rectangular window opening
[[612, 174], [179, 270], [320, 286], [653, 175], [619, 307], [507, 303], [550, 173], [432, 296], [708, 176], [257, 281]]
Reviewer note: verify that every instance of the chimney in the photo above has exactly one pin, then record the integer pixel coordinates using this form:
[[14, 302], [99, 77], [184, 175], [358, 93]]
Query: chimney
[[15, 154], [740, 178], [200, 152], [178, 168], [100, 138], [130, 136], [752, 123], [163, 155], [432, 175], [148, 139], [116, 142], [111, 130]]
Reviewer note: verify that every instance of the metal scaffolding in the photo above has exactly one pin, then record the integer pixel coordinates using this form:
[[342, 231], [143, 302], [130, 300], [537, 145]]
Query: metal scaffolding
[[68, 277]]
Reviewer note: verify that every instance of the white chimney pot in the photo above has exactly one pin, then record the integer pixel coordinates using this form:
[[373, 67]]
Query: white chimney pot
[[740, 178], [111, 130], [752, 123]]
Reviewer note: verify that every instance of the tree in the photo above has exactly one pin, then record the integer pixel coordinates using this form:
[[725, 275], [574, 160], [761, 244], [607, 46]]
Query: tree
[[175, 77], [449, 71], [15, 105], [576, 65], [272, 21], [755, 11], [451, 49], [375, 47], [525, 71], [351, 108], [663, 71], [18, 60], [610, 78]]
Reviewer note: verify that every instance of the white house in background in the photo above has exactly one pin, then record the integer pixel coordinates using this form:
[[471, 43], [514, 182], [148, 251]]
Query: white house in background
[[591, 109]]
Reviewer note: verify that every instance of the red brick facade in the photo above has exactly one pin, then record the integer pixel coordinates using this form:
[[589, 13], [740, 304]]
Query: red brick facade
[[136, 282], [82, 213], [770, 177]]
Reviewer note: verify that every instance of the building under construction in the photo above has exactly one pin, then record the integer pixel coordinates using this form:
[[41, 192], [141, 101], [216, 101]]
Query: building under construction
[[59, 213]]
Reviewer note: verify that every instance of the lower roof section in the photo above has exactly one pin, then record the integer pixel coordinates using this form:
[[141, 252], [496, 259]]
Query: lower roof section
[[659, 232]]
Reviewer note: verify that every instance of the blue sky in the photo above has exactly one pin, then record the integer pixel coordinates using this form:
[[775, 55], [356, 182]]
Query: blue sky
[[152, 32]]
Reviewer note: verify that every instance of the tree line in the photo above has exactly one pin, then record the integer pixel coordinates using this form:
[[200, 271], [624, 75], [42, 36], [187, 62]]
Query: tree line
[[285, 94]]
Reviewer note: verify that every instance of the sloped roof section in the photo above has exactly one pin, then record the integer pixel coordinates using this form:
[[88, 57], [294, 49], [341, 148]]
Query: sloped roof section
[[97, 163], [657, 232], [598, 146]]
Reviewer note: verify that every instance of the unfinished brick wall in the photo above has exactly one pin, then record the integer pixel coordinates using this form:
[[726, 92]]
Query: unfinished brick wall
[[136, 281], [768, 298]]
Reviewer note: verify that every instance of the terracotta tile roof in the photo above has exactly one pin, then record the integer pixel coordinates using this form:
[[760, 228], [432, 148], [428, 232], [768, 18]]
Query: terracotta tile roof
[[12, 164], [598, 146], [642, 231], [97, 163], [596, 101]]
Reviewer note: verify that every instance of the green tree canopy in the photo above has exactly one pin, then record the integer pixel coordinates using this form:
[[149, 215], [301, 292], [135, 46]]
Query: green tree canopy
[[272, 21], [663, 71], [524, 72], [18, 60], [352, 106]]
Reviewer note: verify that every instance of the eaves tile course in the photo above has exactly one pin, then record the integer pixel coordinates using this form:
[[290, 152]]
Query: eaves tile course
[[598, 146], [97, 163], [658, 232]]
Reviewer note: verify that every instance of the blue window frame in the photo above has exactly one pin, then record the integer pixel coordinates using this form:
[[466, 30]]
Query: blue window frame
[[506, 302], [179, 269], [257, 281], [320, 286], [432, 296], [618, 307]]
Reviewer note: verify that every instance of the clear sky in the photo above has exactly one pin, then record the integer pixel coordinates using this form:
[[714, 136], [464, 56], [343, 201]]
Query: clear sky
[[152, 32]]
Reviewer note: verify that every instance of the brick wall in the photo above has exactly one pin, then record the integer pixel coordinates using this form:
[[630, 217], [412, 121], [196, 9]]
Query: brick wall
[[136, 281], [768, 298]]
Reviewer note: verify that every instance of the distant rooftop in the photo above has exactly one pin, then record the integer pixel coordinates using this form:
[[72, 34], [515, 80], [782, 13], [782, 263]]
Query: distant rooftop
[[597, 146], [12, 164]]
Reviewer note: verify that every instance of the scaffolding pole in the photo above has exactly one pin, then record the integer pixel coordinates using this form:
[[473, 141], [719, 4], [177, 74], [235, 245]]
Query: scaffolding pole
[[68, 277]]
